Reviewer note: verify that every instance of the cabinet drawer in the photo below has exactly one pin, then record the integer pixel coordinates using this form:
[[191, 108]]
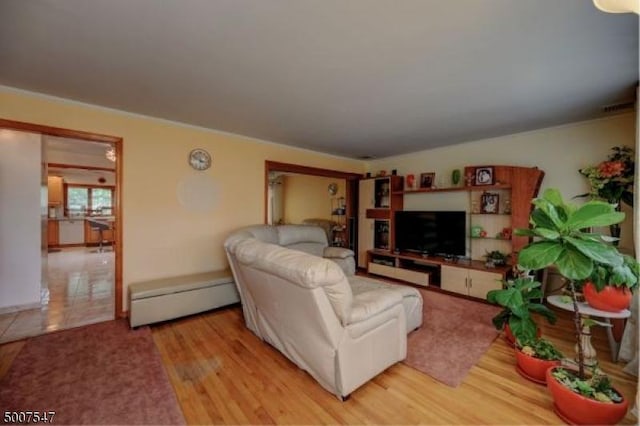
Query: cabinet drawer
[[384, 270], [415, 277]]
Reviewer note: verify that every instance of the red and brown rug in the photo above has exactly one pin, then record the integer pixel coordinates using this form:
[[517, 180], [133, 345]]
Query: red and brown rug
[[455, 333], [98, 374]]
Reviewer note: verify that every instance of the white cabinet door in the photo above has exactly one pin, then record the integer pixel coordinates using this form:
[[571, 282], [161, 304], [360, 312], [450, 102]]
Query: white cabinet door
[[454, 279], [365, 239], [366, 195], [480, 282]]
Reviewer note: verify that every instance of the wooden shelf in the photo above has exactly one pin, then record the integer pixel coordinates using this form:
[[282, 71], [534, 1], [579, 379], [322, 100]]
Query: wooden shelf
[[453, 189], [490, 238], [440, 260]]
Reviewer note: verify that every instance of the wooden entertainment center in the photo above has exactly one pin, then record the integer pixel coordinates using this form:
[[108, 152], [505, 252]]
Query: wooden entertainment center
[[381, 197]]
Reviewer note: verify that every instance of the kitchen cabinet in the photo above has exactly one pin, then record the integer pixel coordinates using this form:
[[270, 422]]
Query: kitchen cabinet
[[55, 185], [71, 232], [53, 233], [470, 282]]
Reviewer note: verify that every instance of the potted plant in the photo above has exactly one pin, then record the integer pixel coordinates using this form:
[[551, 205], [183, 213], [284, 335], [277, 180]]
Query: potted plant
[[562, 241], [519, 298], [610, 288], [612, 181], [495, 258], [534, 357]]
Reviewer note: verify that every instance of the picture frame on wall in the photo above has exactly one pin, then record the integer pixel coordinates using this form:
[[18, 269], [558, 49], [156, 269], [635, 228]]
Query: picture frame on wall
[[489, 203], [426, 180], [484, 176]]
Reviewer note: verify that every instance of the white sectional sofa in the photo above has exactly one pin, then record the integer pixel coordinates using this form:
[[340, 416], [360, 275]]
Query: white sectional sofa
[[341, 329]]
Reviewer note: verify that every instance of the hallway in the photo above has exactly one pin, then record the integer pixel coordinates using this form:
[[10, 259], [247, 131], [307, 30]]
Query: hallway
[[81, 291]]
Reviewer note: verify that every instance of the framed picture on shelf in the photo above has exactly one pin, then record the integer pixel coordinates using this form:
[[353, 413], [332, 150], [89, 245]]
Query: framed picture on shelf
[[484, 176], [426, 179], [489, 202]]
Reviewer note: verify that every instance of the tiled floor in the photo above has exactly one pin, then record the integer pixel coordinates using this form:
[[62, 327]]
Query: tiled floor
[[81, 291]]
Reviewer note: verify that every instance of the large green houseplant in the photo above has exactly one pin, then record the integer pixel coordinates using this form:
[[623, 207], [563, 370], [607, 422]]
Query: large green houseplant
[[563, 240], [519, 298]]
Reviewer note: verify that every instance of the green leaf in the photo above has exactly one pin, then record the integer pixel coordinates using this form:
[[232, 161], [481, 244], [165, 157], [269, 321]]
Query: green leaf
[[554, 214], [524, 232], [594, 213], [548, 234], [508, 298], [540, 254], [598, 251], [540, 219], [523, 329], [501, 319], [553, 196], [573, 264]]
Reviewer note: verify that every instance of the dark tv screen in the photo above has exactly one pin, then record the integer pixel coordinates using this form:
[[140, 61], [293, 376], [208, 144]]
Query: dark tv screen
[[435, 233]]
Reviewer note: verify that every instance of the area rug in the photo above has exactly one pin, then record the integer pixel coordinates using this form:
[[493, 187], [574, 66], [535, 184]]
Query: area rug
[[455, 333], [98, 374]]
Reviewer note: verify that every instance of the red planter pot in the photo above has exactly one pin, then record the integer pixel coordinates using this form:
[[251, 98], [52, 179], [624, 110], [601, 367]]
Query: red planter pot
[[576, 409], [610, 299], [533, 368]]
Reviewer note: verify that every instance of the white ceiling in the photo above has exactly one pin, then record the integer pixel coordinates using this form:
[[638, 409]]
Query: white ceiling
[[349, 77]]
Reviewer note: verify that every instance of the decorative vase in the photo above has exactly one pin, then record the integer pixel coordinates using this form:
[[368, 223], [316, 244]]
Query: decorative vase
[[576, 409], [532, 368], [610, 299]]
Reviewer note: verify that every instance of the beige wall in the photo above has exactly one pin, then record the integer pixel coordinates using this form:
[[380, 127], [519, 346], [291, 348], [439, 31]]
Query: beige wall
[[162, 237], [307, 197], [559, 151]]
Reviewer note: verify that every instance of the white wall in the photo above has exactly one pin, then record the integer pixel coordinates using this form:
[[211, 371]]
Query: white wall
[[20, 230], [558, 151]]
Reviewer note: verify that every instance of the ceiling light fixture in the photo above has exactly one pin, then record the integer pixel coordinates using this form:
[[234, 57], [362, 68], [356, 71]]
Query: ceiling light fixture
[[618, 6], [110, 153]]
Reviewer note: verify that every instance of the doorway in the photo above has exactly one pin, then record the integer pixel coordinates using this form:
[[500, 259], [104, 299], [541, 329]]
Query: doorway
[[336, 199], [82, 233]]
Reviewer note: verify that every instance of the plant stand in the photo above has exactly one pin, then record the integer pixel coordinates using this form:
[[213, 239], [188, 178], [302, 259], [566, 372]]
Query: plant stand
[[586, 312]]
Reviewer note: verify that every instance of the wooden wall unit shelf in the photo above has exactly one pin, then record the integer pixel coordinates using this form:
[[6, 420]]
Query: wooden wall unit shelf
[[517, 184]]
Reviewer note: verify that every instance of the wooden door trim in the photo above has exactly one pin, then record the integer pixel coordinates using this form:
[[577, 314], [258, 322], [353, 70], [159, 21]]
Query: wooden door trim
[[93, 137]]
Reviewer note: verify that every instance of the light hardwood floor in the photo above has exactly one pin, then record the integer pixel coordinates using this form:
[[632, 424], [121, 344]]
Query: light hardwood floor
[[223, 374]]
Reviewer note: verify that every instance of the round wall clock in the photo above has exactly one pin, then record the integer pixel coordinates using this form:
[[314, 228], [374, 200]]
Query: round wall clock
[[199, 159]]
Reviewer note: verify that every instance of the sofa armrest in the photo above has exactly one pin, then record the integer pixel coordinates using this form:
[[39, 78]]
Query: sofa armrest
[[337, 253]]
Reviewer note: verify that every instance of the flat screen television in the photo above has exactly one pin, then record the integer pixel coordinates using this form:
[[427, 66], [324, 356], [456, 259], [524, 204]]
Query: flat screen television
[[435, 233]]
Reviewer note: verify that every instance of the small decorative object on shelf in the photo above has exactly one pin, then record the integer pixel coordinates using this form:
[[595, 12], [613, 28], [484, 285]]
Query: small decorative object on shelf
[[470, 179], [475, 207], [495, 258], [484, 176], [505, 234], [410, 181], [489, 202], [381, 173], [455, 177], [507, 206], [426, 179], [476, 231]]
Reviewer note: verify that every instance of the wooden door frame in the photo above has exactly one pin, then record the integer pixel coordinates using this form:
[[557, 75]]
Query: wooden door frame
[[351, 192], [117, 142]]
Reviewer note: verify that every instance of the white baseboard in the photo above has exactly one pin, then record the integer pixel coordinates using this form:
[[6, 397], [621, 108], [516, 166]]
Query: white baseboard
[[17, 308]]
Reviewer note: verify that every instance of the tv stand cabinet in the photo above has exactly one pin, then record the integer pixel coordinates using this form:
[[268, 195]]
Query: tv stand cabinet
[[463, 276]]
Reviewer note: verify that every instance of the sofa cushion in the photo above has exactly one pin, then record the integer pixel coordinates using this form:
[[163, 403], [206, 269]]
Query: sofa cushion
[[296, 234], [337, 253], [300, 268]]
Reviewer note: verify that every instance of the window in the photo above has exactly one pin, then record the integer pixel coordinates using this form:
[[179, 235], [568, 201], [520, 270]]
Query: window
[[81, 199]]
